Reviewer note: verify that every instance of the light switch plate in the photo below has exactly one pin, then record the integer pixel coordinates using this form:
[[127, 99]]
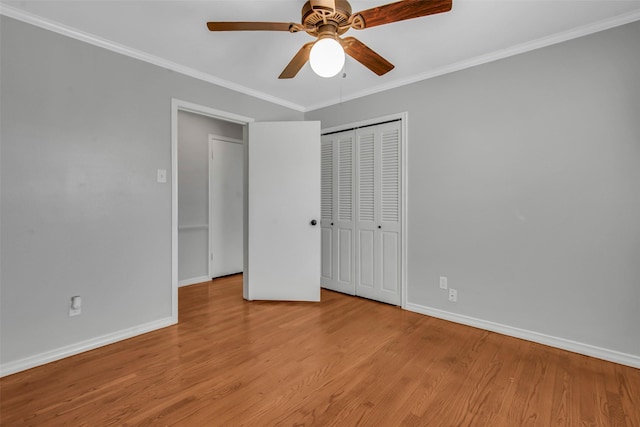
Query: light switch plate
[[75, 306], [162, 176]]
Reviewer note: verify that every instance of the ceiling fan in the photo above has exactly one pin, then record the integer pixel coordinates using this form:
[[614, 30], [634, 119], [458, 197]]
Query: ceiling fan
[[327, 20]]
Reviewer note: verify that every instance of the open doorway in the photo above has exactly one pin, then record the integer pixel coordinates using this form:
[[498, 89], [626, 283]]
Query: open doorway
[[193, 127], [210, 165]]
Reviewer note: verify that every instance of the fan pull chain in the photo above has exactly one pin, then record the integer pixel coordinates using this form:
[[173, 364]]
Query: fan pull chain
[[344, 76]]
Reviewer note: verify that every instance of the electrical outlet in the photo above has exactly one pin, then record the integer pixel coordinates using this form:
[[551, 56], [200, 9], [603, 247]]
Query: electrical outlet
[[453, 295], [162, 176], [443, 282], [75, 306]]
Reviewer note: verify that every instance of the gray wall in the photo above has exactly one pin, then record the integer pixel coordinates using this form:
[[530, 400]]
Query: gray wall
[[83, 132], [193, 189], [524, 188]]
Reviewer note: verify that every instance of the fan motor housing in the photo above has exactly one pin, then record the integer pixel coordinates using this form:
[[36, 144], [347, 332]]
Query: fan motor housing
[[316, 14]]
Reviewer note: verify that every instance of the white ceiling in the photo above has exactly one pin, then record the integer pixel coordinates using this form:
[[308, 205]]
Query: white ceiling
[[174, 34]]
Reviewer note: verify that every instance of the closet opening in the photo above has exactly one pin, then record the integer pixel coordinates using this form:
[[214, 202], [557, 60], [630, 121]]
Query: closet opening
[[363, 209]]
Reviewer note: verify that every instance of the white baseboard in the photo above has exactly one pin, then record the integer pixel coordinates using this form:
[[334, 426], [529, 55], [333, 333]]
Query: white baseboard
[[562, 343], [193, 281], [70, 350]]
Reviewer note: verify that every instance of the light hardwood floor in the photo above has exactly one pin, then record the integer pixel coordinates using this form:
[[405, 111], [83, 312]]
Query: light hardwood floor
[[345, 361]]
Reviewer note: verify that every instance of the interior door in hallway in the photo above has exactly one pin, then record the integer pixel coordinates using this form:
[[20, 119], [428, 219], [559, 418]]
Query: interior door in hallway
[[226, 157]]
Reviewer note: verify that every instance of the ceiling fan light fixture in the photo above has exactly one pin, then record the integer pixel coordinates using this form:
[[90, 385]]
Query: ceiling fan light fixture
[[326, 57], [327, 21]]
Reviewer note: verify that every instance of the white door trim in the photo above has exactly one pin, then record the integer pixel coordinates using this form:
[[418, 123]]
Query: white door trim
[[225, 139], [180, 105], [404, 118]]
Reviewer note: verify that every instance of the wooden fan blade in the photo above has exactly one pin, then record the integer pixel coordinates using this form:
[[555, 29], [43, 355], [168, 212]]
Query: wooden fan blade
[[399, 11], [297, 62], [364, 55], [250, 26]]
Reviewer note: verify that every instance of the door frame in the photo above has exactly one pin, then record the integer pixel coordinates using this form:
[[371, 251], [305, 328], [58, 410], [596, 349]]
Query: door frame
[[180, 105], [403, 117]]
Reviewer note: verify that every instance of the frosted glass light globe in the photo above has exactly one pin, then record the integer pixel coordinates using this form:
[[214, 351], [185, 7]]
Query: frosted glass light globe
[[326, 57]]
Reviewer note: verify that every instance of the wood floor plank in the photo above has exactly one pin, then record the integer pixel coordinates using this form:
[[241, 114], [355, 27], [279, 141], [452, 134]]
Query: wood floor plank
[[345, 361], [592, 395], [628, 388], [563, 394]]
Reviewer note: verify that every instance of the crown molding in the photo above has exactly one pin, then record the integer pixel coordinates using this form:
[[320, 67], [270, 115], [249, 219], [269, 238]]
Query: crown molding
[[74, 33], [563, 36]]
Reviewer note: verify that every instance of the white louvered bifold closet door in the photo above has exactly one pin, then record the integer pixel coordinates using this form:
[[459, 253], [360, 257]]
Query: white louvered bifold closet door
[[337, 212], [378, 195], [361, 200]]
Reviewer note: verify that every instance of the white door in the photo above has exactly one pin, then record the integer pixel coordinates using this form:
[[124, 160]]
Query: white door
[[226, 159], [338, 255], [283, 212], [378, 244]]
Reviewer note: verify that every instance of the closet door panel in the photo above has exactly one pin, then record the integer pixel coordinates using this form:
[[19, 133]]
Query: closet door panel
[[344, 225], [366, 189], [366, 258], [390, 262], [390, 176], [327, 276], [326, 242], [345, 274], [389, 213], [366, 276], [337, 219]]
